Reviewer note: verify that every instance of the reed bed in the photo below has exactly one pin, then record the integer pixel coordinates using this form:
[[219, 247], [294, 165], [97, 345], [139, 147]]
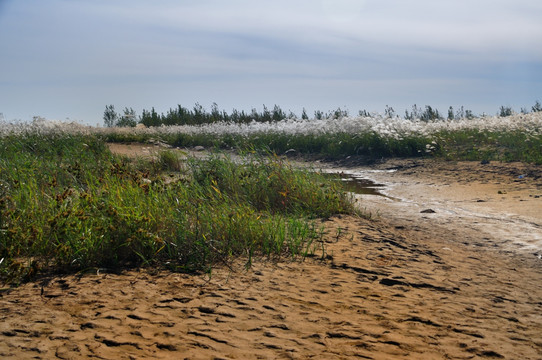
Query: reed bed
[[511, 138], [67, 204]]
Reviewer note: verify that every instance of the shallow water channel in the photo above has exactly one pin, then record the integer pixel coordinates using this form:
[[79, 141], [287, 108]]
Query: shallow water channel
[[426, 204], [358, 184]]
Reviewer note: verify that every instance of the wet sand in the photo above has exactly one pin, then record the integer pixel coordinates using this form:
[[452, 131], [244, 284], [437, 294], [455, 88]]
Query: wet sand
[[501, 203], [412, 285]]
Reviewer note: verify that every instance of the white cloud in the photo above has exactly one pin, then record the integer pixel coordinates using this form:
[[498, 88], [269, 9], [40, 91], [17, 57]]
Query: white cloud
[[484, 29], [457, 25]]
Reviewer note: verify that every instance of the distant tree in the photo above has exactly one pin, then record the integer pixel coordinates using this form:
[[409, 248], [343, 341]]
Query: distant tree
[[245, 117], [150, 118], [416, 113], [225, 116], [172, 118], [145, 117], [235, 116], [254, 115], [156, 119], [291, 115], [278, 114], [389, 112], [364, 113], [451, 113], [266, 115], [110, 116], [505, 111], [537, 107], [339, 113], [183, 116], [128, 119], [215, 113], [469, 114], [430, 114], [318, 115], [199, 114], [460, 114], [304, 115]]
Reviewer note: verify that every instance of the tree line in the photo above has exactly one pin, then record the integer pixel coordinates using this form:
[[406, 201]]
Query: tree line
[[198, 115], [195, 116]]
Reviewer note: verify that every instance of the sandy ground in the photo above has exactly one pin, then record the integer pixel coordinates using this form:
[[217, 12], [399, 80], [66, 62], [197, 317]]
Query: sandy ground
[[501, 203], [404, 284]]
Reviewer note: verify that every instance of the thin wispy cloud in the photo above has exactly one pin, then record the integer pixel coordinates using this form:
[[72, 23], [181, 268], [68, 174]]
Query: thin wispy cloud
[[70, 58]]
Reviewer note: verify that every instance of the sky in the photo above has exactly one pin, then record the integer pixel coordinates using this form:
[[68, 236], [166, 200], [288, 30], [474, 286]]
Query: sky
[[68, 59]]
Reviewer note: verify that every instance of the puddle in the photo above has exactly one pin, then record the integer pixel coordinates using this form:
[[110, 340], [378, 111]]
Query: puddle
[[357, 184]]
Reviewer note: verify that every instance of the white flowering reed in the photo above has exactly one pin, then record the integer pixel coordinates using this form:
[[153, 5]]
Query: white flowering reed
[[396, 128]]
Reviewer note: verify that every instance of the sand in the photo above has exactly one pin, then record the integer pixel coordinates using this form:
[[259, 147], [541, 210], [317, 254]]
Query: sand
[[414, 286], [501, 203]]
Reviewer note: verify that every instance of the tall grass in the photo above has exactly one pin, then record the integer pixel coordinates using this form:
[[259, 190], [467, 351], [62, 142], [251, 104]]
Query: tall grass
[[476, 145], [67, 204], [512, 138], [326, 145]]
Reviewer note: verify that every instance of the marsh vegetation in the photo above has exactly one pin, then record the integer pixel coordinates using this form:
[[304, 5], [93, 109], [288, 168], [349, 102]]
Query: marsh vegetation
[[507, 136], [68, 204]]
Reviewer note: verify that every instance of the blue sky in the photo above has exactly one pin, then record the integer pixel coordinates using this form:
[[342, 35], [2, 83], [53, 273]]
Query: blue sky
[[69, 58]]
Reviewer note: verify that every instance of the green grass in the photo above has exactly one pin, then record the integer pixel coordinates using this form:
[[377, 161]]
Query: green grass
[[470, 144], [330, 146], [67, 204], [477, 145]]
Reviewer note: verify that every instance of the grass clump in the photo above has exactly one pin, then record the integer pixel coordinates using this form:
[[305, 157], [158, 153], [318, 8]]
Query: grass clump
[[272, 185], [67, 204]]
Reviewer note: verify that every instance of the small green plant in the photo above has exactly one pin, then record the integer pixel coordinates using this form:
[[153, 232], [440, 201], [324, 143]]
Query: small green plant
[[169, 160]]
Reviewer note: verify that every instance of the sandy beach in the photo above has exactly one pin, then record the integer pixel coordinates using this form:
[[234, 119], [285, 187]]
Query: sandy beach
[[461, 281]]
